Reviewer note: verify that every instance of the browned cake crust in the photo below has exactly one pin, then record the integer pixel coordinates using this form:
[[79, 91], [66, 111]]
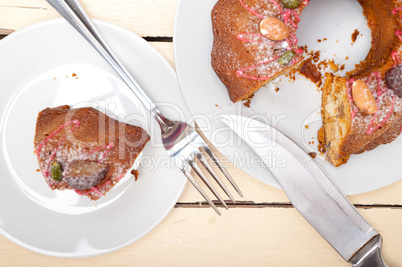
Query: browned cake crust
[[230, 19], [346, 129], [383, 24], [64, 135]]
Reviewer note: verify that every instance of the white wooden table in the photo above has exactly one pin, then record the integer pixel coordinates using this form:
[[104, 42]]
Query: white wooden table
[[263, 229]]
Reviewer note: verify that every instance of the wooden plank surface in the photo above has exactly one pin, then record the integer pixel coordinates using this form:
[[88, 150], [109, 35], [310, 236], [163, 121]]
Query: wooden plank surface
[[144, 17], [263, 229], [242, 237]]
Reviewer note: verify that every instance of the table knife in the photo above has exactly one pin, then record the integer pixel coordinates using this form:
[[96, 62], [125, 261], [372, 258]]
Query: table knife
[[311, 192]]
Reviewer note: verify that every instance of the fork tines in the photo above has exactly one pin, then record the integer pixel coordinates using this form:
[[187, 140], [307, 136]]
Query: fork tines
[[194, 166]]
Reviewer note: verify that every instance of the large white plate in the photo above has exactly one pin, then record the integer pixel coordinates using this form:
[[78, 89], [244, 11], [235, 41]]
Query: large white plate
[[296, 105], [36, 71]]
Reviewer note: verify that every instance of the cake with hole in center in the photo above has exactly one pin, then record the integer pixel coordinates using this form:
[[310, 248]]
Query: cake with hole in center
[[85, 150], [255, 41]]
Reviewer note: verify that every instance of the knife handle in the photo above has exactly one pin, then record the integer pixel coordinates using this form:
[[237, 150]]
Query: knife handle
[[370, 255]]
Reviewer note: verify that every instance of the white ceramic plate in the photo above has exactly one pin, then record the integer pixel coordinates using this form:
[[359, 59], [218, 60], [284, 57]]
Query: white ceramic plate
[[296, 105], [36, 71]]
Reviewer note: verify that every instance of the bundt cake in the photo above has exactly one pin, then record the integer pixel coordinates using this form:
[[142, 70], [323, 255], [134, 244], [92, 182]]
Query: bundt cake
[[359, 111], [85, 150]]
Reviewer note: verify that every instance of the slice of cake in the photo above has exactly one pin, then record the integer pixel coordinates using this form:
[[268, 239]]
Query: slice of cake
[[358, 116], [85, 150]]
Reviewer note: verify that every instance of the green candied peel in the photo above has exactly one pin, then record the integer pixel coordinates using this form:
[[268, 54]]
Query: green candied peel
[[56, 171], [291, 4], [287, 57]]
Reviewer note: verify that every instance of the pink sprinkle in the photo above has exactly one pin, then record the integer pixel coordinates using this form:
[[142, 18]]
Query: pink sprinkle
[[98, 192], [299, 51], [277, 5], [259, 38], [292, 39], [395, 58], [380, 90], [396, 10], [97, 188], [109, 147], [349, 84], [46, 171], [370, 130], [93, 189], [296, 16], [398, 34], [287, 18], [355, 110], [240, 72]]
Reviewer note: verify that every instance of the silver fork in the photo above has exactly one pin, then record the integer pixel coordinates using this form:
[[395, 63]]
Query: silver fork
[[181, 140]]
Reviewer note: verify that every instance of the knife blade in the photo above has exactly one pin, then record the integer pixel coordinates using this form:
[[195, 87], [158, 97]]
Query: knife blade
[[311, 192]]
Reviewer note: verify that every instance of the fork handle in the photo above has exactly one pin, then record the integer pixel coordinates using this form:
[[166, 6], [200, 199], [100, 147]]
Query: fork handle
[[73, 12]]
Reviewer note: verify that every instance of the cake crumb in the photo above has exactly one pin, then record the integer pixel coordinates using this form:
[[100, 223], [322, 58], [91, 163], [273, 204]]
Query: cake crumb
[[346, 58], [333, 66], [247, 103], [292, 74], [277, 89], [319, 41], [313, 155], [135, 173], [306, 126], [354, 36], [325, 39], [74, 75], [310, 71]]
